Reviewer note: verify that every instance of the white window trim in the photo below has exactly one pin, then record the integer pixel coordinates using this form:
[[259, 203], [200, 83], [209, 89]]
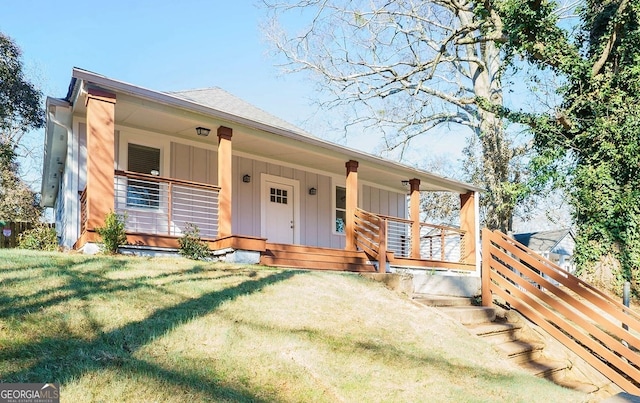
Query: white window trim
[[264, 199], [148, 140], [335, 182]]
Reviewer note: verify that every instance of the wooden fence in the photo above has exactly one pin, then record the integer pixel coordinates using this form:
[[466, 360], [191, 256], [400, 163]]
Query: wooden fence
[[10, 233], [600, 330]]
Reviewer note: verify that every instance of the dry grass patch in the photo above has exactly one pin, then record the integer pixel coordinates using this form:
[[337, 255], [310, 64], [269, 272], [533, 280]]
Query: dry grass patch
[[136, 329]]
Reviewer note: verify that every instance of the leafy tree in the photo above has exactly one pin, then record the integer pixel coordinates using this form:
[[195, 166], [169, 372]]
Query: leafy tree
[[20, 110], [591, 142], [408, 67]]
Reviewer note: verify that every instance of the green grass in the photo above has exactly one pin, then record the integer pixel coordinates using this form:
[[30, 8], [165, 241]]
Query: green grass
[[173, 330]]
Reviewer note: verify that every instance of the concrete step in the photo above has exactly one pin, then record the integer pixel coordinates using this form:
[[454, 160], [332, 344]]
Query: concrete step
[[520, 351], [496, 332], [586, 388], [552, 370], [470, 315], [441, 300]]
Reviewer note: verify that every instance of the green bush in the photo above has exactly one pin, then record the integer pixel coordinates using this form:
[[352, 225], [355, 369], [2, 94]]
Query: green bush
[[40, 237], [191, 245], [113, 233]]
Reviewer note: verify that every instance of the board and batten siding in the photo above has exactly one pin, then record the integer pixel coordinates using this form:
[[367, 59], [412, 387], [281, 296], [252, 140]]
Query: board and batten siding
[[384, 202], [316, 211]]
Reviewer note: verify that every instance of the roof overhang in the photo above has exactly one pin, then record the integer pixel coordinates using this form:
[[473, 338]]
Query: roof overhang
[[171, 114]]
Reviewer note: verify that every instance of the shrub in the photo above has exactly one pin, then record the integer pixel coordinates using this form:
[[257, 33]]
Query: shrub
[[113, 233], [191, 245], [40, 237]]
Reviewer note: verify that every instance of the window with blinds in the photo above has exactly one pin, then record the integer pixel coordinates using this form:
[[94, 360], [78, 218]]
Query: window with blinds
[[145, 160]]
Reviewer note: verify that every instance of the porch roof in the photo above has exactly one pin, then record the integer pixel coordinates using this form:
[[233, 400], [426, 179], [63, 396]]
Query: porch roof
[[256, 132]]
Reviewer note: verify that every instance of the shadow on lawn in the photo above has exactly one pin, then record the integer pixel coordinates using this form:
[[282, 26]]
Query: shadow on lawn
[[62, 359]]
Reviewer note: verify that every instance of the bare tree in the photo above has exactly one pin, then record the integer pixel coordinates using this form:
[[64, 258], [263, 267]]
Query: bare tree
[[410, 67]]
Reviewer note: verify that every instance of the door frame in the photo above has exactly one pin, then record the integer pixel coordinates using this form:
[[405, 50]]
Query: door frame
[[264, 199]]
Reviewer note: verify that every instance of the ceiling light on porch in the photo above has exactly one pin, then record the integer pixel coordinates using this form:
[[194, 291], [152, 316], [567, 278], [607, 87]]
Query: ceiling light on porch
[[202, 131], [405, 183]]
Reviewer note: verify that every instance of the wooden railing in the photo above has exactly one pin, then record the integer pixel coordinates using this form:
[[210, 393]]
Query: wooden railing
[[600, 330], [371, 236], [378, 234], [163, 206]]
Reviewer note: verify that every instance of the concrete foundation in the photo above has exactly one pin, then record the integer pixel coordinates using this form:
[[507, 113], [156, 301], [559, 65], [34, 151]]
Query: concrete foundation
[[436, 282]]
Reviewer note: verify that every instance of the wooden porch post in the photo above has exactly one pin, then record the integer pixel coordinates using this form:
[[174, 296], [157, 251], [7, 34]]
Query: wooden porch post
[[351, 203], [100, 156], [224, 181], [415, 218], [468, 224]]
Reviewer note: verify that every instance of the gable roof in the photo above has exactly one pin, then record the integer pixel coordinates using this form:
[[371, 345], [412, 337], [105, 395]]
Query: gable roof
[[265, 134], [217, 98], [542, 241]]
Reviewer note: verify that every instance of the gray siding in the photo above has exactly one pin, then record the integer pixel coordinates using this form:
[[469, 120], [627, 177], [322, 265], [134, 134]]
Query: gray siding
[[384, 202], [193, 164], [316, 226]]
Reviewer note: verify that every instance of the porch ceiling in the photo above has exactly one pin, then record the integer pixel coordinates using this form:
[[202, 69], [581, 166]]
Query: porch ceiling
[[153, 111]]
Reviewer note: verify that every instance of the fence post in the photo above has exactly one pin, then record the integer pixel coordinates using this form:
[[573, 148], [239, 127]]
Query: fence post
[[487, 299]]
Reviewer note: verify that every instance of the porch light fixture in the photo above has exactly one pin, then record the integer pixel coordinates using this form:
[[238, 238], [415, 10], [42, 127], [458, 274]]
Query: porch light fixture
[[246, 178], [405, 183], [202, 131], [313, 191]]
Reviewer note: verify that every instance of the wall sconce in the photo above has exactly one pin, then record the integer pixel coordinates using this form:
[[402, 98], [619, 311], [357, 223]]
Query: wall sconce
[[246, 178], [313, 191], [202, 131]]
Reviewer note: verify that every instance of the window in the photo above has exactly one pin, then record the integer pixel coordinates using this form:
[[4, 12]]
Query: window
[[278, 196], [341, 208], [145, 160]]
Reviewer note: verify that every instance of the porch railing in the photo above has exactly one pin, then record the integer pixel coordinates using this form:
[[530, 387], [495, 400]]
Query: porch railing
[[600, 330], [376, 233], [163, 206]]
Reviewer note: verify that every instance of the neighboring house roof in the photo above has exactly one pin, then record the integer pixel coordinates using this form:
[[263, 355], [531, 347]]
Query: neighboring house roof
[[543, 241]]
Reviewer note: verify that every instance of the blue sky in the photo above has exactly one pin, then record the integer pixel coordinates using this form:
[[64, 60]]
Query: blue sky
[[167, 46], [161, 45]]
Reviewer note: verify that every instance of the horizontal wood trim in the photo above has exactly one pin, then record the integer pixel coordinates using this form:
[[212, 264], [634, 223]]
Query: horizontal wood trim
[[419, 263], [243, 242], [309, 257], [316, 265], [311, 249], [161, 179], [304, 256], [367, 227]]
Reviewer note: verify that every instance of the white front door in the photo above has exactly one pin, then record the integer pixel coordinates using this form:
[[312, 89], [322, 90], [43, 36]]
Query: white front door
[[279, 218]]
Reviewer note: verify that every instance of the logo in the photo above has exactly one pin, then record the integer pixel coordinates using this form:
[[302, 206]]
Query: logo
[[29, 393]]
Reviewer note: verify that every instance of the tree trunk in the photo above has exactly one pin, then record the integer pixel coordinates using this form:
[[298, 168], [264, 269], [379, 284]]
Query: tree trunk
[[496, 153]]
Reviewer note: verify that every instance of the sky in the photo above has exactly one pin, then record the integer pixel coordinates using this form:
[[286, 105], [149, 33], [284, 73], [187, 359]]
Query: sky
[[169, 46], [177, 45]]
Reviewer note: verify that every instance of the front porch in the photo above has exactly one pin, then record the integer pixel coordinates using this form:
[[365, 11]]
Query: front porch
[[157, 210], [271, 192]]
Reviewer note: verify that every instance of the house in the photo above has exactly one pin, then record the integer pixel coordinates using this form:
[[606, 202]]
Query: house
[[258, 188], [556, 246]]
